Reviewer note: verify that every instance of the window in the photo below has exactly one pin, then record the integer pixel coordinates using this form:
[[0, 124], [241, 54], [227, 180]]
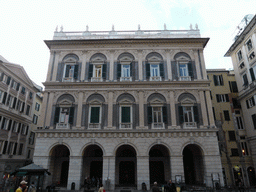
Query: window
[[22, 107], [30, 95], [245, 80], [20, 149], [18, 105], [31, 138], [234, 152], [10, 148], [35, 118], [218, 80], [239, 55], [253, 72], [244, 148], [4, 98], [15, 148], [28, 110], [5, 147], [37, 106], [15, 127], [157, 116], [241, 65], [254, 120], [9, 100], [154, 71], [23, 90], [4, 123], [251, 56], [222, 98], [15, 85], [64, 117], [97, 72], [188, 116], [251, 102], [233, 87], [232, 135], [126, 117], [226, 115], [249, 44], [14, 102], [95, 117], [71, 72], [239, 122]]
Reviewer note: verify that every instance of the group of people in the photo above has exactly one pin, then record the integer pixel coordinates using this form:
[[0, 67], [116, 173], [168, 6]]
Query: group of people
[[92, 182], [170, 187], [23, 187]]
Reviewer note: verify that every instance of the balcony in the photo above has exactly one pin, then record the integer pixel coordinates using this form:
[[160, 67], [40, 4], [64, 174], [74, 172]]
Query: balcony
[[125, 126], [157, 125], [94, 126], [126, 79], [62, 126], [185, 78], [96, 79], [155, 78], [189, 125]]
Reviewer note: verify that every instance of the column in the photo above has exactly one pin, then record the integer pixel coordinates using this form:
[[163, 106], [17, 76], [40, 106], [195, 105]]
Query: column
[[55, 66], [110, 109], [111, 65], [168, 64], [48, 111], [48, 78], [143, 171], [177, 167], [79, 109], [203, 107], [209, 106], [172, 107], [141, 109], [83, 65], [140, 67], [75, 171], [108, 172]]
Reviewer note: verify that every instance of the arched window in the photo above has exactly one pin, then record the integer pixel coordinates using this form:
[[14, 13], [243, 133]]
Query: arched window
[[71, 65], [97, 68], [154, 67], [184, 66]]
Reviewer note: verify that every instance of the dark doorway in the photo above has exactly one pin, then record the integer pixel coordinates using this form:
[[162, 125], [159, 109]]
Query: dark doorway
[[251, 175], [96, 169], [126, 173], [64, 173], [159, 164], [193, 165]]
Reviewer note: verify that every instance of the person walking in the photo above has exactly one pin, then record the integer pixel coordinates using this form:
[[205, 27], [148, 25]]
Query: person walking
[[23, 187], [32, 187], [170, 187], [155, 188], [101, 189]]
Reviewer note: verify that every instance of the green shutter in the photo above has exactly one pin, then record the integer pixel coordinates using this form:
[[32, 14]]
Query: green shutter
[[71, 115], [90, 70], [252, 74], [181, 116], [76, 72], [104, 71], [57, 115], [149, 115], [131, 69], [95, 115], [67, 70], [119, 67], [147, 70], [161, 66], [215, 80], [164, 111], [190, 70], [196, 117], [126, 115]]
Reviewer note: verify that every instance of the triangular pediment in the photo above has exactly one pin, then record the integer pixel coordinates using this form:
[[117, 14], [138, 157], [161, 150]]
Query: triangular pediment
[[126, 59], [182, 58], [95, 102], [97, 60], [156, 101], [154, 59], [187, 101], [125, 101], [65, 102], [70, 60]]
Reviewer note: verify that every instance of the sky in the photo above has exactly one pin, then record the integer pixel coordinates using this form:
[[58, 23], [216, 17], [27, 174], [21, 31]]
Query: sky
[[25, 24]]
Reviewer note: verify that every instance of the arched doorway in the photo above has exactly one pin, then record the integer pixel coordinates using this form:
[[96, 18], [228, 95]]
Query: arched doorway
[[126, 166], [159, 164], [59, 164], [92, 163], [193, 165], [251, 176]]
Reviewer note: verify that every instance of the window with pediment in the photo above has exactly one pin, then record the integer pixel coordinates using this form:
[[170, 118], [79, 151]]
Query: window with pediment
[[125, 67], [71, 66], [95, 117], [184, 67], [154, 67], [188, 112], [97, 68], [157, 112], [125, 113], [64, 112]]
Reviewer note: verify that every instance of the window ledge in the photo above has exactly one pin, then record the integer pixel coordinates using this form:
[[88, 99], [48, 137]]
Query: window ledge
[[125, 126], [62, 126], [96, 79], [94, 126], [185, 78], [126, 79], [156, 78], [158, 126], [189, 125]]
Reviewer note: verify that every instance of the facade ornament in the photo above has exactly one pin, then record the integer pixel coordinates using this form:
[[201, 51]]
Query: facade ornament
[[196, 26], [165, 27], [191, 27], [87, 28], [139, 27], [113, 28], [61, 28]]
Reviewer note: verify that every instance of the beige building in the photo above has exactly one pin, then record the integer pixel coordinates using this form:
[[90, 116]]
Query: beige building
[[234, 149], [128, 107], [17, 101], [242, 53]]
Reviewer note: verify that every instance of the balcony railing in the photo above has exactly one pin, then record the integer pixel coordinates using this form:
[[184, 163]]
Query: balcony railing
[[94, 125], [156, 78], [125, 126], [185, 78], [157, 125], [96, 79], [126, 79], [62, 126], [189, 125]]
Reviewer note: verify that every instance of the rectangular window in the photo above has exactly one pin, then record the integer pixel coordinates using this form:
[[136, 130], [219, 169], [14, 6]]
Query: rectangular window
[[239, 55], [125, 114], [95, 115], [251, 56], [23, 90], [15, 148], [4, 124], [254, 120], [157, 114], [18, 105], [126, 71], [249, 44], [4, 98], [71, 72], [232, 135], [218, 80], [35, 118], [10, 148], [233, 87], [226, 115], [250, 102], [20, 149], [9, 100], [28, 110], [30, 95], [244, 148], [234, 152], [245, 80], [5, 147], [222, 97], [183, 70], [37, 106], [188, 114], [97, 71], [239, 123]]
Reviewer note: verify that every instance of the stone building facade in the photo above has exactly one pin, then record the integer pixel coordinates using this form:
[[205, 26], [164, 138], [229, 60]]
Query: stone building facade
[[128, 107]]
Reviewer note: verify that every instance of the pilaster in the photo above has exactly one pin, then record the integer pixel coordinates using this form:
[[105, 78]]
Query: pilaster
[[108, 172], [110, 109], [203, 65], [111, 66], [82, 75], [79, 110], [169, 70], [197, 65], [49, 108], [172, 105], [75, 171], [140, 65], [141, 109], [209, 106], [177, 167], [203, 107], [44, 109], [48, 78], [143, 171], [55, 66]]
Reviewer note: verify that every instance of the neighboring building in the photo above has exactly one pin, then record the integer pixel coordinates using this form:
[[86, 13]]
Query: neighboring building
[[128, 107], [17, 96], [234, 149], [242, 53]]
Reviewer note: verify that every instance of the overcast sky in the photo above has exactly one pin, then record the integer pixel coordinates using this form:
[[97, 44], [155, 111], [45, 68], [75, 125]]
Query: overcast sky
[[25, 24]]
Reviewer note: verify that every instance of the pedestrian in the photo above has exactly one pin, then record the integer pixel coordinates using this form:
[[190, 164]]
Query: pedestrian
[[155, 188], [170, 187], [101, 189], [23, 187], [32, 187]]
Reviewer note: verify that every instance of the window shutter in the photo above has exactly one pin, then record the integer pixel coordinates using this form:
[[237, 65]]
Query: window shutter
[[226, 115], [9, 125], [8, 80], [234, 87], [67, 70], [57, 115], [22, 108], [217, 97], [149, 114], [18, 87], [119, 67], [4, 98], [253, 101], [104, 71], [14, 102], [147, 70], [252, 74], [181, 117], [71, 115], [254, 120], [190, 70], [221, 80], [164, 110], [12, 83], [90, 71], [2, 76], [126, 115], [245, 80], [230, 86], [76, 72], [227, 97], [196, 116], [26, 131], [161, 66], [131, 68], [247, 104], [215, 80]]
